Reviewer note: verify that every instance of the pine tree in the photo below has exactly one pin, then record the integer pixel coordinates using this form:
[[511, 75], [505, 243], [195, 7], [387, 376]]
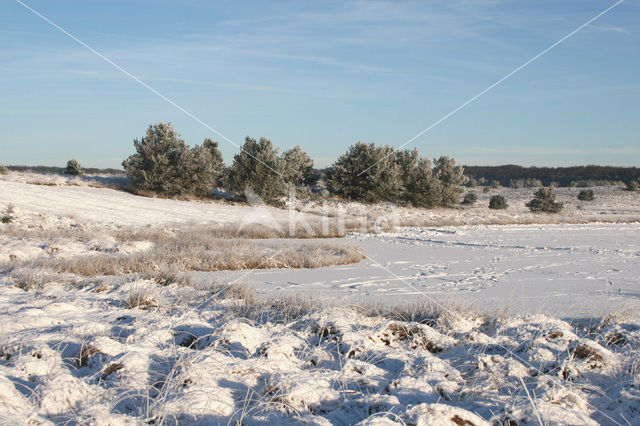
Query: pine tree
[[498, 202], [258, 167], [545, 201], [164, 163], [297, 166], [419, 187], [366, 172], [451, 178], [73, 168]]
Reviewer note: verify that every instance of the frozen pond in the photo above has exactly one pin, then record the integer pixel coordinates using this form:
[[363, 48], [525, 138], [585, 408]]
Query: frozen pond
[[571, 270]]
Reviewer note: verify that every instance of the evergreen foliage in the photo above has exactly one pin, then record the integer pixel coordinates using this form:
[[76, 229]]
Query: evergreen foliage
[[164, 163], [498, 202], [401, 176], [586, 195], [7, 216], [73, 168], [366, 172], [594, 175], [470, 198], [451, 179], [422, 188], [258, 168], [525, 183], [545, 201], [298, 166]]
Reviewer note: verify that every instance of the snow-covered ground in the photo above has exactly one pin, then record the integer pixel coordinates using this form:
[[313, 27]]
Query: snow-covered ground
[[533, 321], [82, 356], [102, 206]]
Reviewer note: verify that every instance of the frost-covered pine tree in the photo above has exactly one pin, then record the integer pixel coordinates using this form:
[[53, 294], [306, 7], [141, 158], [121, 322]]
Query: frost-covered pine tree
[[164, 163], [407, 162], [545, 201], [158, 161], [451, 179], [258, 167], [297, 166], [73, 168], [202, 167], [419, 187], [366, 172], [217, 163]]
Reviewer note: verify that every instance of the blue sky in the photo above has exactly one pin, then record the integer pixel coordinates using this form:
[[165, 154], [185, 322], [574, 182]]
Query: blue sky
[[324, 75]]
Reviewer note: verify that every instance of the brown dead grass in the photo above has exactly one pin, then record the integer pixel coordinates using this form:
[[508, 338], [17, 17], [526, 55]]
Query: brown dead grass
[[206, 233]]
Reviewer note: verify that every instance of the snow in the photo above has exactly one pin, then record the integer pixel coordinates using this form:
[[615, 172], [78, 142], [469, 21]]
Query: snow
[[570, 270], [516, 318], [89, 359]]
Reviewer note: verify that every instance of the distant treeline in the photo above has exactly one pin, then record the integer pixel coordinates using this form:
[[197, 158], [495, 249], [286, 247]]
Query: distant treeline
[[563, 176], [53, 169]]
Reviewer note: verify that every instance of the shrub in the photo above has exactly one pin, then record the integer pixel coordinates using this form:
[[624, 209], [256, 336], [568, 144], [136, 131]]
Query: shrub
[[632, 185], [366, 172], [586, 195], [544, 201], [164, 163], [258, 168], [4, 170], [498, 202], [73, 168], [470, 198], [297, 166]]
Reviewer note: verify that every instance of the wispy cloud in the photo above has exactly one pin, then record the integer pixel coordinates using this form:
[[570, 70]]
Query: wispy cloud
[[611, 28]]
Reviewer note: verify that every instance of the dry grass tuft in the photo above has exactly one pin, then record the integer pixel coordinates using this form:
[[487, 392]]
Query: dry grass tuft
[[110, 369], [86, 352], [142, 296], [165, 277], [585, 352], [422, 311], [204, 233], [29, 279], [281, 309]]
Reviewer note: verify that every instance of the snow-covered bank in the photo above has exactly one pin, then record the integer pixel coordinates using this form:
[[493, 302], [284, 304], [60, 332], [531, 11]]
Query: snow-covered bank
[[81, 356], [103, 206]]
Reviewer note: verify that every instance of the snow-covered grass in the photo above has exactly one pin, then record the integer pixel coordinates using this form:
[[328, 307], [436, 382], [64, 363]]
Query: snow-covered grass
[[135, 351], [222, 255], [102, 250]]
